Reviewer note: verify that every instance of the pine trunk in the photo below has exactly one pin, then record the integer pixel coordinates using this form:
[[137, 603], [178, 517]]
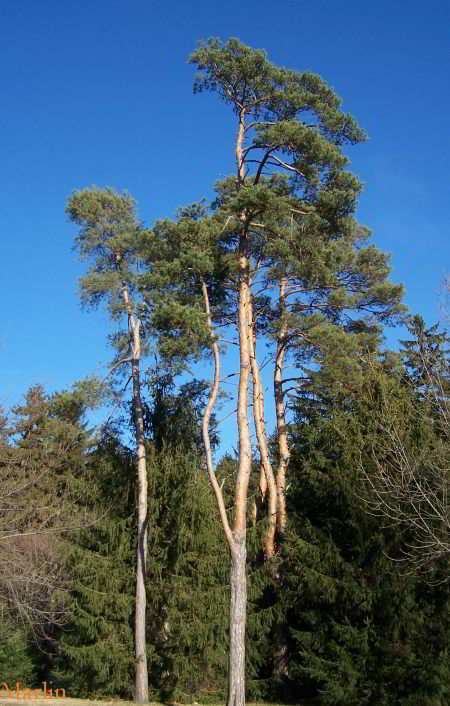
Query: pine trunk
[[141, 685], [282, 434], [238, 609]]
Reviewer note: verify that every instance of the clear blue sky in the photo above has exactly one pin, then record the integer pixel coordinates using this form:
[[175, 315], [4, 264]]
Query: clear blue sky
[[99, 92]]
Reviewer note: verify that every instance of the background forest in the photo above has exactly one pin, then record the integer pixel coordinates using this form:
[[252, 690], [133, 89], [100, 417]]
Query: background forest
[[341, 611], [116, 489]]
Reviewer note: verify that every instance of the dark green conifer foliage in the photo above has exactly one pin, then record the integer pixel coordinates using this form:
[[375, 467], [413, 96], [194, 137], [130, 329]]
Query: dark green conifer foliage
[[16, 664], [40, 468], [96, 645], [187, 573], [426, 355], [362, 630], [174, 418], [187, 581]]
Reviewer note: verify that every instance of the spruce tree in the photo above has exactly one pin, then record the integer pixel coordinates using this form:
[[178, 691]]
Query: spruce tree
[[361, 629], [96, 644], [187, 582], [408, 470], [42, 461]]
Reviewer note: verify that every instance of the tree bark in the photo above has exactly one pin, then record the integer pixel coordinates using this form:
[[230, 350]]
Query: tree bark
[[141, 670], [238, 609], [245, 447], [282, 437], [262, 474], [205, 426], [141, 688], [258, 415], [236, 539]]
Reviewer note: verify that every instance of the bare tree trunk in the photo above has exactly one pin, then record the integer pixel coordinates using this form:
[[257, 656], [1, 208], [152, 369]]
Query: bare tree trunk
[[238, 609], [282, 437], [236, 538], [141, 670], [141, 688], [205, 428], [262, 475], [238, 603], [238, 582], [258, 415]]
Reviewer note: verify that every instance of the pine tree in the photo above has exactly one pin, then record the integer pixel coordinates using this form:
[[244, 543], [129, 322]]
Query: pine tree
[[109, 236], [283, 224]]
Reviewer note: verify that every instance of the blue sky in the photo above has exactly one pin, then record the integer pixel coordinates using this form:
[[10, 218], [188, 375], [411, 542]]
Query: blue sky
[[101, 93]]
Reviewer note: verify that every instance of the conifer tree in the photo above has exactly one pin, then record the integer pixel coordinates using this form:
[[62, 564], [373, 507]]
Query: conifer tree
[[108, 237], [188, 581], [42, 459], [95, 647], [408, 472], [281, 255], [298, 236], [361, 629]]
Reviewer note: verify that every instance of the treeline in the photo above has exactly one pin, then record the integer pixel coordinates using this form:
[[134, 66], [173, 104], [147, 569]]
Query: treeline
[[339, 615], [310, 565]]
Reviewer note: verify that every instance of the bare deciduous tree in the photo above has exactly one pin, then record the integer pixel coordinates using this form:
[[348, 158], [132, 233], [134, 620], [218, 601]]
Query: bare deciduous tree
[[39, 454]]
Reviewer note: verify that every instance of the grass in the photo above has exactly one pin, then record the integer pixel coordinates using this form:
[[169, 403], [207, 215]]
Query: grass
[[117, 702]]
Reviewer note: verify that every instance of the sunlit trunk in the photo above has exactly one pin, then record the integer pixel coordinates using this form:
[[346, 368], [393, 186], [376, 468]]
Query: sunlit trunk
[[258, 415], [141, 687], [140, 643], [282, 435]]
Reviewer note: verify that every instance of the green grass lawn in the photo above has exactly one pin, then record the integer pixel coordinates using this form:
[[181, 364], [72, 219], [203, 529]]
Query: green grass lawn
[[117, 702]]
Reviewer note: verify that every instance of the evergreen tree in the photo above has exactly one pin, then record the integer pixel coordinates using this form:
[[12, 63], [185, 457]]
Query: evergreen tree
[[16, 664], [187, 582], [109, 235], [40, 468], [361, 630], [284, 223], [408, 471], [96, 643], [426, 355], [186, 578]]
